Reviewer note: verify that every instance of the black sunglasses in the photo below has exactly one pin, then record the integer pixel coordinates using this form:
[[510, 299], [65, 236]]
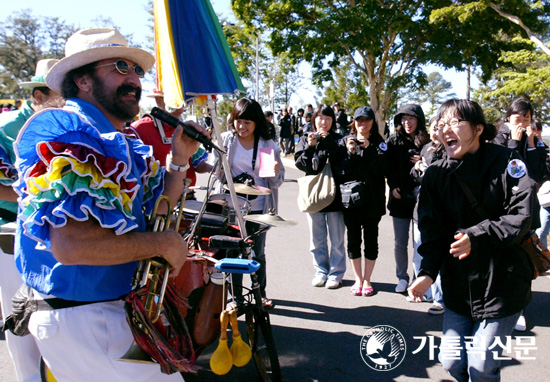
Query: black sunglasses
[[123, 68]]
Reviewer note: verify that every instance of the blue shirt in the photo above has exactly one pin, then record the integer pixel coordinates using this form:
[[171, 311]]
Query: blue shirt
[[79, 135], [10, 124]]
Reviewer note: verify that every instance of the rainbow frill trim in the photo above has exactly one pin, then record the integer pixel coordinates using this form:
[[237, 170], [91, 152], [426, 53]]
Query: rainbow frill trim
[[83, 175], [8, 174]]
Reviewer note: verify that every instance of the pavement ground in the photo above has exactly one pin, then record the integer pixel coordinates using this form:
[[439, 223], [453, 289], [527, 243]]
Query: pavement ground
[[318, 332]]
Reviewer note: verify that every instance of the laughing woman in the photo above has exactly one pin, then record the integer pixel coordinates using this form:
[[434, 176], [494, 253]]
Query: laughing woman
[[485, 275]]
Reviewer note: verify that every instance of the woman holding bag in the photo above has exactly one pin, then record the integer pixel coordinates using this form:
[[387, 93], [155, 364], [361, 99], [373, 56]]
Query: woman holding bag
[[313, 153], [364, 161]]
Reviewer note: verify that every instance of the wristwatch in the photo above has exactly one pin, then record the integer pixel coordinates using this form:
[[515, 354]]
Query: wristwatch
[[175, 167]]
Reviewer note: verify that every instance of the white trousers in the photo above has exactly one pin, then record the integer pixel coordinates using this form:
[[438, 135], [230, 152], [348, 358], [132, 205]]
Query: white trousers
[[23, 350], [83, 343]]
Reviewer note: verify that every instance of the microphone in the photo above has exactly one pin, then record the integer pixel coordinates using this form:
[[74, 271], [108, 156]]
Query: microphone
[[187, 129]]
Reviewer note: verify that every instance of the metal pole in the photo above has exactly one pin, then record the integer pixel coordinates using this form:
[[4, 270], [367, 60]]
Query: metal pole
[[226, 169]]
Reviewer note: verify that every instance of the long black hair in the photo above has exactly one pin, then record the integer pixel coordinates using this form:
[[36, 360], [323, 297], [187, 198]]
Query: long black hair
[[249, 109]]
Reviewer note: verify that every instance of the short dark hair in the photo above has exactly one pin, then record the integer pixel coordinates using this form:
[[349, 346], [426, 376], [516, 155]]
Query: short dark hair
[[41, 89], [469, 111], [521, 106], [249, 109], [268, 114], [68, 86], [324, 109]]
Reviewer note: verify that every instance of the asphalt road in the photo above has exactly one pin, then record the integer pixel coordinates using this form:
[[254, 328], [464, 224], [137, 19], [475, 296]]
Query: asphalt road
[[318, 332]]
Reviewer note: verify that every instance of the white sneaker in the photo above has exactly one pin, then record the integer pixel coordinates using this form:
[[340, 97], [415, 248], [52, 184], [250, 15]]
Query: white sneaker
[[401, 286], [521, 325], [436, 309], [332, 284], [318, 281]]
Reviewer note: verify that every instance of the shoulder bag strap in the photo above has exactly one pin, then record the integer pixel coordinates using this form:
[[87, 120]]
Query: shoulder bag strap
[[472, 199]]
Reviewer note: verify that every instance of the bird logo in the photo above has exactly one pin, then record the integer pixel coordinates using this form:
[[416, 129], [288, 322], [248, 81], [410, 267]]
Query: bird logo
[[383, 348]]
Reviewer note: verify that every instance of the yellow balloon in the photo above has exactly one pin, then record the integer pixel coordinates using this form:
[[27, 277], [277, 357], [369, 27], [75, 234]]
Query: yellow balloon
[[222, 360], [240, 351]]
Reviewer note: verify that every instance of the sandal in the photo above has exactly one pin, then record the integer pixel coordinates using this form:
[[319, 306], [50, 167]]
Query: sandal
[[356, 291], [367, 292], [267, 303]]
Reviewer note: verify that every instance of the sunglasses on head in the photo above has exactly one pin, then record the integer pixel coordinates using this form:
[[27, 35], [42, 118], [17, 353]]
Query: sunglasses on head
[[123, 68]]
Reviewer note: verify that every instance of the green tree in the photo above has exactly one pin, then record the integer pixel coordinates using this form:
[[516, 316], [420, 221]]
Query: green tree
[[387, 41], [434, 92], [347, 87], [25, 39]]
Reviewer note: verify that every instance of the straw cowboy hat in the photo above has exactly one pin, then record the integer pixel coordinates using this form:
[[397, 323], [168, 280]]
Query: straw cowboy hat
[[42, 68], [92, 45]]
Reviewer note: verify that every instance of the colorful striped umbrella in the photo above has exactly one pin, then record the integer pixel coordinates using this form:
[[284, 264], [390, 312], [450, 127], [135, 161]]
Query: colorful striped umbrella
[[193, 58]]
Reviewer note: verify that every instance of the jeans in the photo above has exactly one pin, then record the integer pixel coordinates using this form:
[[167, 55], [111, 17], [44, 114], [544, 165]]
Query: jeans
[[435, 293], [401, 232], [328, 265], [544, 229], [471, 365]]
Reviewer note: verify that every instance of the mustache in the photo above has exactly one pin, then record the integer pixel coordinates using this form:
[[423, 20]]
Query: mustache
[[127, 88]]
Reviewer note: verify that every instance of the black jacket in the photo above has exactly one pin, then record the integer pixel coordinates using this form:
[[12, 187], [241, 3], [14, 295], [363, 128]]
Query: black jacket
[[400, 150], [494, 281], [327, 148], [286, 127], [534, 158], [369, 166]]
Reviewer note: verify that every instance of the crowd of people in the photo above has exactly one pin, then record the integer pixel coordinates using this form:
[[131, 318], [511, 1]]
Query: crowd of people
[[85, 179], [468, 263]]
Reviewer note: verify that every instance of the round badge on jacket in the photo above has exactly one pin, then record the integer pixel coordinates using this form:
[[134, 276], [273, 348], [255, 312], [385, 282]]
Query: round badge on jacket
[[516, 168], [383, 146]]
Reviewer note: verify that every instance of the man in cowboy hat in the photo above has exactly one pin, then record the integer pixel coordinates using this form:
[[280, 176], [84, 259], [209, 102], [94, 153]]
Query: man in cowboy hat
[[81, 225], [23, 350]]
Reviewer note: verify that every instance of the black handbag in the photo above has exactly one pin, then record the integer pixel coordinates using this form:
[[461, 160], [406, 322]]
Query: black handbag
[[354, 194], [539, 257]]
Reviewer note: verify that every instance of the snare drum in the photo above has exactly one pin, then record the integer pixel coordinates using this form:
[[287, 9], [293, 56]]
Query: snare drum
[[244, 205]]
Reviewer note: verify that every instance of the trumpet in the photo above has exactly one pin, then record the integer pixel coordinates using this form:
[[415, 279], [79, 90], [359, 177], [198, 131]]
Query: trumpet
[[151, 297]]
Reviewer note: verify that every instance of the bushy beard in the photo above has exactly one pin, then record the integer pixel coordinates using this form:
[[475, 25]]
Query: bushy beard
[[113, 103]]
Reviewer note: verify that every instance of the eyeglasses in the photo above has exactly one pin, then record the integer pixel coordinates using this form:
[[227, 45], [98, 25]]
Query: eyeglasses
[[122, 67], [451, 123]]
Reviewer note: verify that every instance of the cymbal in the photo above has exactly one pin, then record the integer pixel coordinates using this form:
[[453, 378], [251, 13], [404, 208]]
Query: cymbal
[[242, 188], [270, 219]]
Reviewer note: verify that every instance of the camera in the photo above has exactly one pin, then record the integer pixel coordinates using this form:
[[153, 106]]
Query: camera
[[316, 135]]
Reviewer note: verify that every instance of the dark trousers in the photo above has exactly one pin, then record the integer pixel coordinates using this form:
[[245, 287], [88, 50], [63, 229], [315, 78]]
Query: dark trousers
[[259, 256], [361, 227]]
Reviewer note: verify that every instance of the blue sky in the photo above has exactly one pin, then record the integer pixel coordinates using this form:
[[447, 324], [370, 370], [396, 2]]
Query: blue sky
[[131, 17]]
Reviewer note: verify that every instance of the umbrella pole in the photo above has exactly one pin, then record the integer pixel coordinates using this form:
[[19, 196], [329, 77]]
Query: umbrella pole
[[226, 170]]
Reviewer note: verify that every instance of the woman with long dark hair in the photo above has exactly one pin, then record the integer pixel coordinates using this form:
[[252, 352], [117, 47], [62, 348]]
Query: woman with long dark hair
[[249, 132], [475, 206], [313, 154]]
